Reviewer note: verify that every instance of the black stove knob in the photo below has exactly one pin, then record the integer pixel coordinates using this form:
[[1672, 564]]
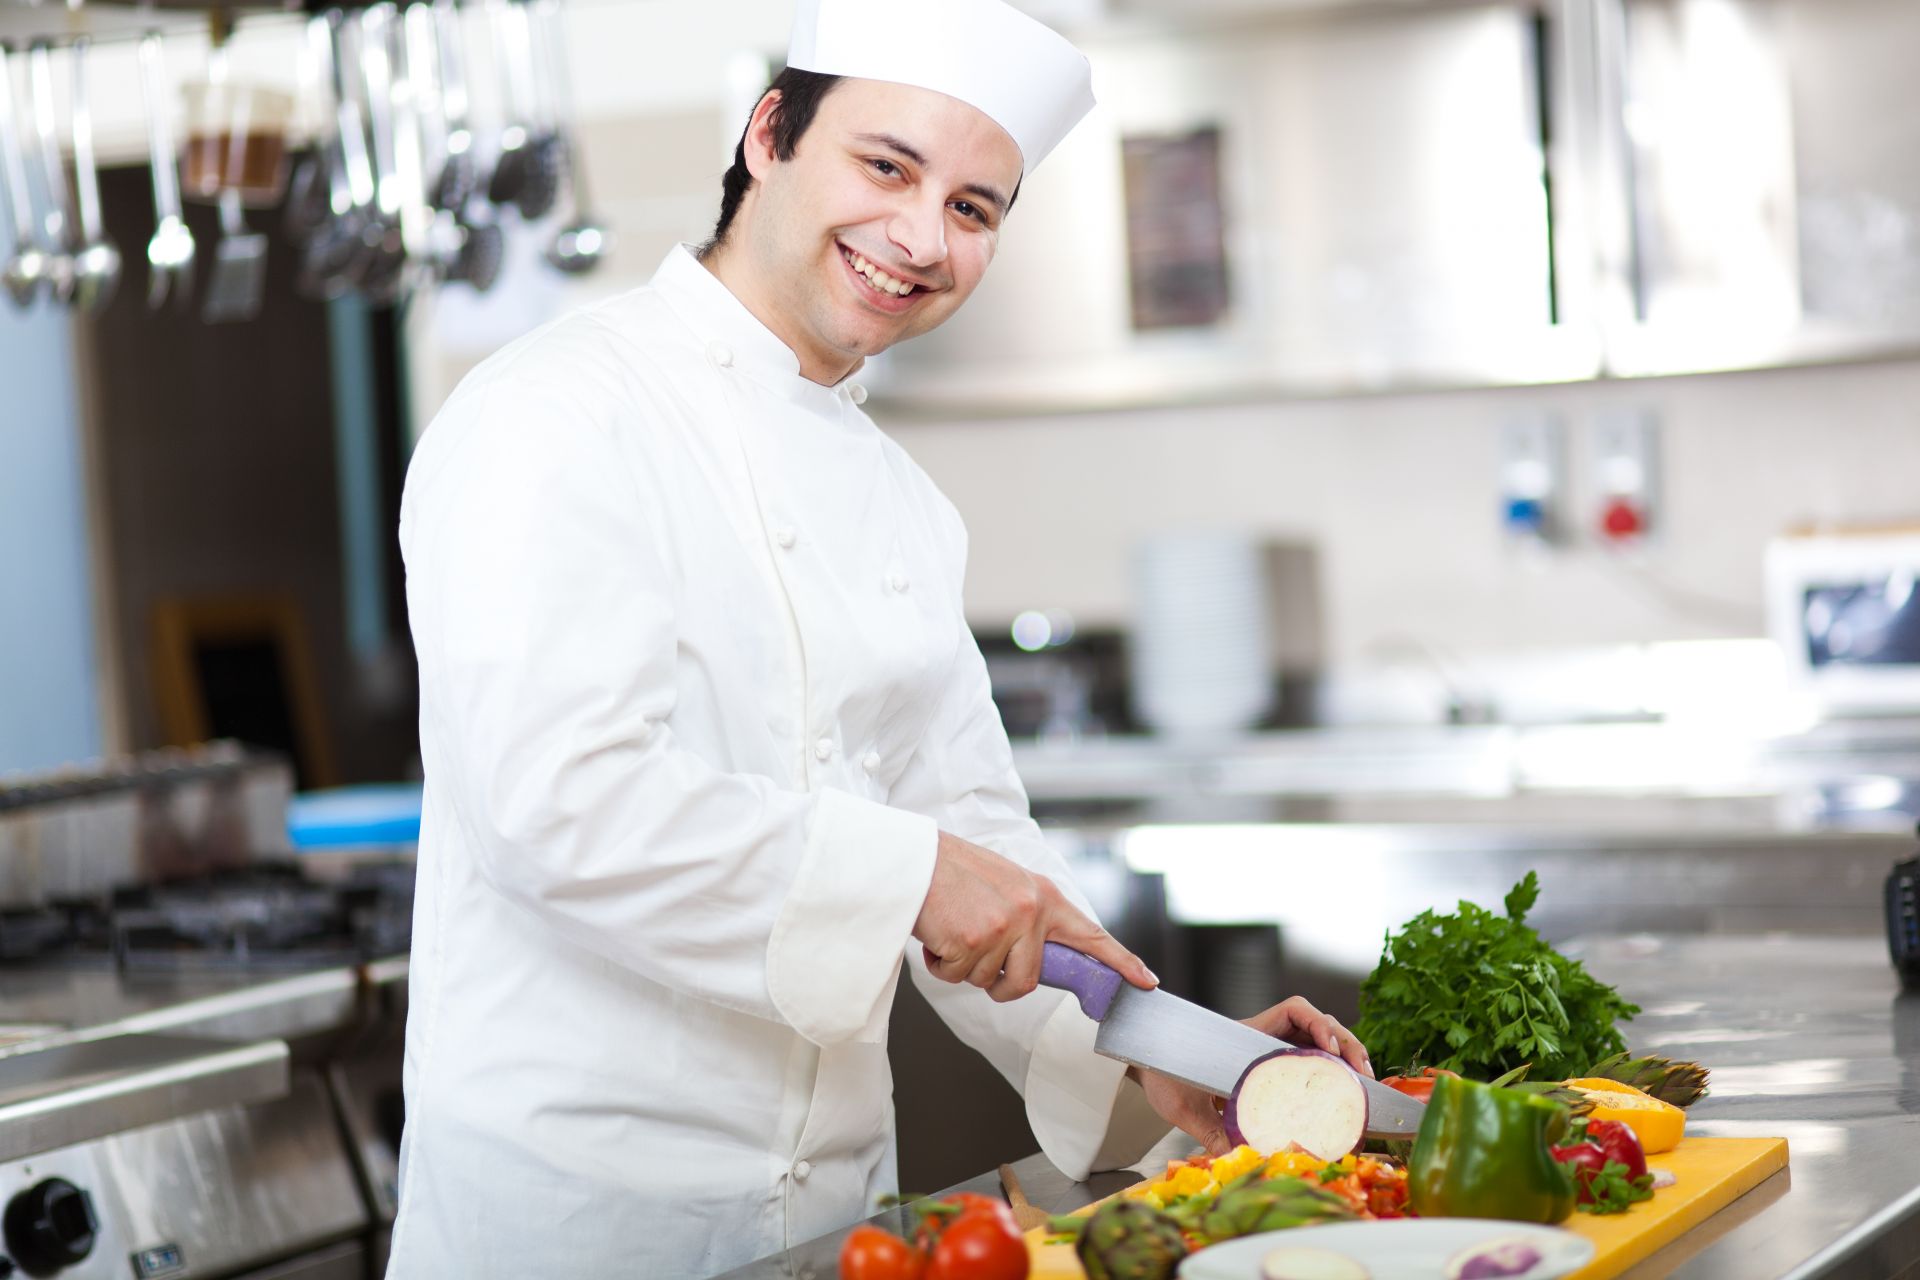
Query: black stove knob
[[50, 1225]]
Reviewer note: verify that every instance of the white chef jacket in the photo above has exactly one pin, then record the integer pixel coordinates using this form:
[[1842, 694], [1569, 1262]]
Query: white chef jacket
[[696, 698]]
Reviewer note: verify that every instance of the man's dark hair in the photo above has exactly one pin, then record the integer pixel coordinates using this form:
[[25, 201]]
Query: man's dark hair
[[801, 93]]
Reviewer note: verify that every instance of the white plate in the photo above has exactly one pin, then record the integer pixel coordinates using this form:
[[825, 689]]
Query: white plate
[[1398, 1249]]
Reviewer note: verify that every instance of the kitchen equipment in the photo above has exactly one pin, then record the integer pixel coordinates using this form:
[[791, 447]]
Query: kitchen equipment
[[382, 269], [329, 260], [56, 222], [527, 171], [1843, 608], [579, 246], [239, 277], [458, 176], [96, 263], [546, 149], [310, 190], [1903, 921], [26, 269], [170, 250], [1161, 1032], [1200, 652]]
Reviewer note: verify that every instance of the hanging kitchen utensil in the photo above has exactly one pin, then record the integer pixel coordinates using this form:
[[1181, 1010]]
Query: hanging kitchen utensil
[[96, 266], [382, 268], [239, 277], [309, 191], [170, 250], [25, 270], [457, 177], [332, 258], [442, 234], [513, 66], [55, 221], [582, 243], [546, 150]]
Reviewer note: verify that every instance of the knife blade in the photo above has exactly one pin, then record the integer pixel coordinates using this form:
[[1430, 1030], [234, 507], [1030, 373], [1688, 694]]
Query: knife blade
[[1161, 1032]]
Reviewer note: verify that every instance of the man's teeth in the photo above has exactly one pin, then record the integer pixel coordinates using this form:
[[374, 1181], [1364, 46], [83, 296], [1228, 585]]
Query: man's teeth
[[878, 278]]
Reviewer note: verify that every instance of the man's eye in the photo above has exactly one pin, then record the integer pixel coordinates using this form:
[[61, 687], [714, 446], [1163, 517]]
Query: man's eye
[[885, 168], [968, 210]]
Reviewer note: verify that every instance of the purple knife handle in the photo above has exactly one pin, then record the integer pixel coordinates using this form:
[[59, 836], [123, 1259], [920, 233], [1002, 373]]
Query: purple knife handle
[[1093, 984]]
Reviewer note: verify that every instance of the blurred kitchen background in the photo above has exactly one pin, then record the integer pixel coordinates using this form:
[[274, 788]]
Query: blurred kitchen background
[[1404, 443]]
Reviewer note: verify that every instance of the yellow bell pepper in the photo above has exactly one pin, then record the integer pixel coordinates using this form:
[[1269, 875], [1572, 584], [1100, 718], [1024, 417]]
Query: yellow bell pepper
[[1659, 1125]]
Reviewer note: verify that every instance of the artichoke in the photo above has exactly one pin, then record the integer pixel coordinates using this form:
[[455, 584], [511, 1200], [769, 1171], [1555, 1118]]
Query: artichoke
[[1130, 1240], [1679, 1084], [1273, 1204]]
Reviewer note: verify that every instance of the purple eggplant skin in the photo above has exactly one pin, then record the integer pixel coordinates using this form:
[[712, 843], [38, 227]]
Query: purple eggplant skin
[[1230, 1118], [1495, 1261]]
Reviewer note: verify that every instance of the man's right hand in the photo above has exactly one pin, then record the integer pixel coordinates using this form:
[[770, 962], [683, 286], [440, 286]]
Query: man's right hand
[[986, 917]]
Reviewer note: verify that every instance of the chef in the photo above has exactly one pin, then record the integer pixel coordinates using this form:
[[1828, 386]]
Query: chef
[[708, 746]]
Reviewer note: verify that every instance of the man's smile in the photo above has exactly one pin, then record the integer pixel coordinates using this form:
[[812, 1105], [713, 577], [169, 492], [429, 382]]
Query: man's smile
[[881, 289]]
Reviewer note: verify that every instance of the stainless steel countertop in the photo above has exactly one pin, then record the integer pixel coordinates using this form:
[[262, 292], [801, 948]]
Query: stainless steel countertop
[[45, 1004], [1809, 1038]]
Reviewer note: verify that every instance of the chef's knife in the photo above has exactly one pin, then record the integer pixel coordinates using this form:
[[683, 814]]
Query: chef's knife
[[1162, 1032]]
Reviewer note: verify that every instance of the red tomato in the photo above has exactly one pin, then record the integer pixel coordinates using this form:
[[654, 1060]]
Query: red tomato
[[980, 1245], [872, 1254], [1420, 1083]]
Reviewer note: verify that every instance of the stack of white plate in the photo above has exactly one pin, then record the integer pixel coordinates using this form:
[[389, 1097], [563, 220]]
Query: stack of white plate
[[1200, 633]]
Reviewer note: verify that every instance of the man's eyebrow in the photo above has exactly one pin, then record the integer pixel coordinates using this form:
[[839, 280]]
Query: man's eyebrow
[[907, 149]]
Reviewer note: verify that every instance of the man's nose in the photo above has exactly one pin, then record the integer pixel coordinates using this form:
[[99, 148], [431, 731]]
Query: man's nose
[[919, 230]]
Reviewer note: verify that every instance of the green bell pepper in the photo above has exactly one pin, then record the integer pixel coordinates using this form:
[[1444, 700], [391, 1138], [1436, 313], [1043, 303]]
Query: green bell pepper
[[1484, 1152]]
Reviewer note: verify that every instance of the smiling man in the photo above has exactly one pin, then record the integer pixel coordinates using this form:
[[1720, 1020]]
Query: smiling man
[[709, 748]]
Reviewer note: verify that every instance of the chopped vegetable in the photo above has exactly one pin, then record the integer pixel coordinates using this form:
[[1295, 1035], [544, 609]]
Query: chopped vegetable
[[1417, 1084], [1253, 1204], [1304, 1262], [1298, 1097], [1659, 1125], [1495, 1260], [1484, 1152], [1679, 1084], [1372, 1187], [1481, 994], [1126, 1239]]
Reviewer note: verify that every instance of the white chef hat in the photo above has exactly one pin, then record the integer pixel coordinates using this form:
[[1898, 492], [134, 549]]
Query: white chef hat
[[1021, 73]]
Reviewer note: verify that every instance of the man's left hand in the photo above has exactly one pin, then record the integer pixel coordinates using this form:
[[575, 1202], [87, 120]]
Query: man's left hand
[[1293, 1020]]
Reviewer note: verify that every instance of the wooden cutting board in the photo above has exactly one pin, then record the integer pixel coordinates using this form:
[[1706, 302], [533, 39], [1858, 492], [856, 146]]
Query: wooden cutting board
[[1712, 1173]]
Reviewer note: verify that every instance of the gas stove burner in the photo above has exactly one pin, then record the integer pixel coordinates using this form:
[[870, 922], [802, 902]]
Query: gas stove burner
[[263, 915]]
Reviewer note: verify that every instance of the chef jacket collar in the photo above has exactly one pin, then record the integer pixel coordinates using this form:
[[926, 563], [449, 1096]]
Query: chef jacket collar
[[733, 336]]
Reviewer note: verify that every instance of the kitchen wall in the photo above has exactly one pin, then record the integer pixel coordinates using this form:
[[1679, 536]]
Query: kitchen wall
[[48, 705], [1398, 497]]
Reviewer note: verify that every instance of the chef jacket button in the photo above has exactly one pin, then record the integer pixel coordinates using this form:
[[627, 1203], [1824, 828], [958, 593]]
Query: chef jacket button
[[856, 393], [898, 581], [872, 762], [785, 537], [720, 353], [823, 749], [801, 1168]]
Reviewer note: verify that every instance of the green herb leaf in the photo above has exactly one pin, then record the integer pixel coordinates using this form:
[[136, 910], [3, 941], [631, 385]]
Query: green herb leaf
[[1482, 994], [1521, 897]]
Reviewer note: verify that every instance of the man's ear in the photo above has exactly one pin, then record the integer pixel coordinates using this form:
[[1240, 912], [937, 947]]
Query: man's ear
[[758, 142]]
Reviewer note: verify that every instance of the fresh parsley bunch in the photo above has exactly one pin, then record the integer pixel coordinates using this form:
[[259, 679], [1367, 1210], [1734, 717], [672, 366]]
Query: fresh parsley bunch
[[1481, 994]]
